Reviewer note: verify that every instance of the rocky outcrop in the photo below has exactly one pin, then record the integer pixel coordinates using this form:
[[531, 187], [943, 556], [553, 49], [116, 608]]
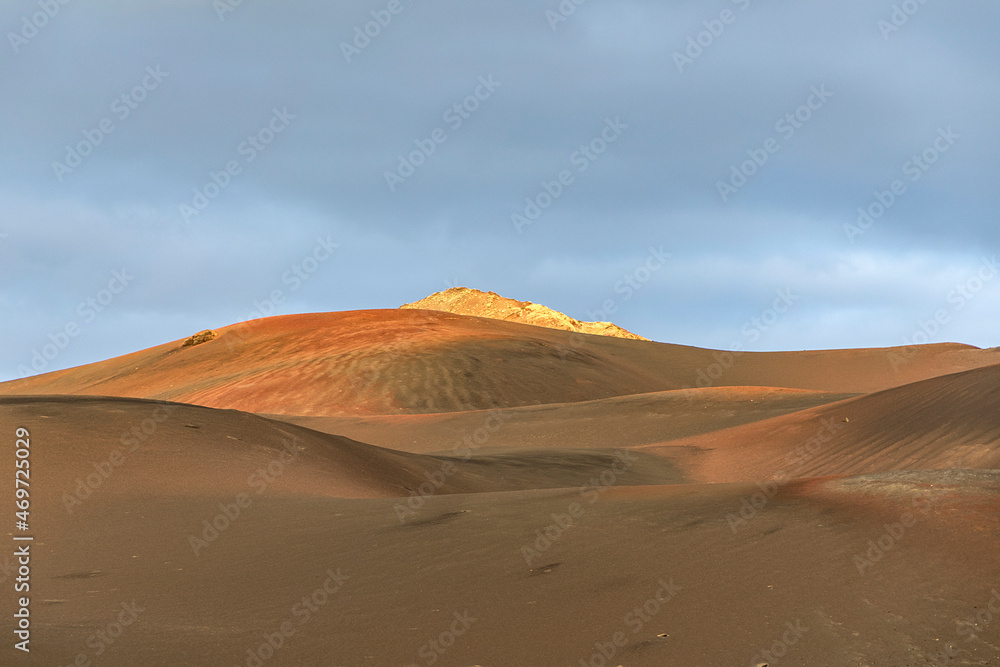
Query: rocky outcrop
[[466, 301], [200, 337]]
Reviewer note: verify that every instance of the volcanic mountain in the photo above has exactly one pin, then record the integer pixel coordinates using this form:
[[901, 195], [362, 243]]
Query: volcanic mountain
[[412, 361]]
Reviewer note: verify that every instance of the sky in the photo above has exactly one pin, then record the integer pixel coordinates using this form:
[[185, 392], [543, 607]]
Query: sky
[[768, 175]]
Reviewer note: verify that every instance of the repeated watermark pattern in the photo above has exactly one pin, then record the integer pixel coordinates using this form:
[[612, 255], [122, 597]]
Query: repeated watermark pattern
[[580, 160], [786, 126], [454, 116], [635, 620], [958, 298], [248, 150], [431, 651], [592, 492], [918, 165], [714, 28], [87, 311], [31, 24], [367, 31], [122, 107], [900, 16], [631, 283]]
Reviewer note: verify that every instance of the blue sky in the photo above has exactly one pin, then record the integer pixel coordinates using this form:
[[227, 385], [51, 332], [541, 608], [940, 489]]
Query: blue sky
[[228, 160]]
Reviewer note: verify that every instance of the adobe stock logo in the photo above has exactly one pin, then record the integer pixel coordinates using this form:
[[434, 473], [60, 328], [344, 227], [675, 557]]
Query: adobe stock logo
[[565, 9], [901, 14], [787, 126], [454, 116], [87, 311], [927, 329], [364, 34], [37, 21], [581, 159], [223, 7], [918, 165], [249, 149], [635, 619], [122, 107], [631, 283], [714, 28]]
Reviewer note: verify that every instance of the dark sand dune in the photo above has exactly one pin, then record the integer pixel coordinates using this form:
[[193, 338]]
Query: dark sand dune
[[98, 446], [620, 421], [951, 421], [129, 447], [659, 569], [416, 361]]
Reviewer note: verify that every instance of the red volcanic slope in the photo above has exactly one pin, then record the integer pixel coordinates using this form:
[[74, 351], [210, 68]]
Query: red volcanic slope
[[415, 361], [948, 422]]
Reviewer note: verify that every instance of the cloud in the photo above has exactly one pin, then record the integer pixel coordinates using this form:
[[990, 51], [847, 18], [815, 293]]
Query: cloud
[[451, 219]]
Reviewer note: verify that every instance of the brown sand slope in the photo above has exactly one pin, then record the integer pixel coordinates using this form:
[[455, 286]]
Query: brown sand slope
[[951, 421], [887, 569], [88, 446], [620, 421], [839, 573], [415, 361], [93, 445]]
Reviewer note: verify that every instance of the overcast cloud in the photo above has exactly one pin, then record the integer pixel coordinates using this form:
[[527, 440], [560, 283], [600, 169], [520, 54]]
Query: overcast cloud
[[214, 153]]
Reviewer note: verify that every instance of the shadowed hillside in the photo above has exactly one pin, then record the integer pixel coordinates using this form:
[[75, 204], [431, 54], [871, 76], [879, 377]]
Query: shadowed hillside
[[945, 422]]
